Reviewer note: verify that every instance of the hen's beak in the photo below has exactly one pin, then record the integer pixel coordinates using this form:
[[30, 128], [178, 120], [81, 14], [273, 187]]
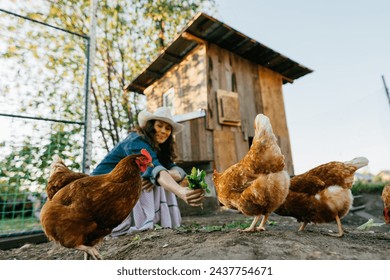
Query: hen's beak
[[151, 164]]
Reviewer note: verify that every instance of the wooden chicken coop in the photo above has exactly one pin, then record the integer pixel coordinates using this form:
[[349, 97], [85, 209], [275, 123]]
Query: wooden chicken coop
[[217, 80]]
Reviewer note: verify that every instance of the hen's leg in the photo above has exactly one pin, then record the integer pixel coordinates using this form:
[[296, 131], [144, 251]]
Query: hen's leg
[[261, 227], [340, 228], [252, 226], [302, 227], [90, 251]]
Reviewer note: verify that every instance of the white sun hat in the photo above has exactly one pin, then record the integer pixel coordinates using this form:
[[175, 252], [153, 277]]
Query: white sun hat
[[162, 114]]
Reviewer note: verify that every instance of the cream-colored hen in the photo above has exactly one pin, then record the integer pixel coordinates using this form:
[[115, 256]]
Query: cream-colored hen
[[257, 184]]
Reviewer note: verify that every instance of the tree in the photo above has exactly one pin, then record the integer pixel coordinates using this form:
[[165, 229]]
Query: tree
[[129, 34], [25, 167], [51, 63]]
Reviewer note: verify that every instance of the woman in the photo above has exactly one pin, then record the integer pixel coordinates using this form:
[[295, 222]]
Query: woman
[[157, 203]]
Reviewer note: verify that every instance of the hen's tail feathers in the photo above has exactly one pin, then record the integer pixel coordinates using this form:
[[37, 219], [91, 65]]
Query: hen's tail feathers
[[57, 161], [262, 125], [358, 162]]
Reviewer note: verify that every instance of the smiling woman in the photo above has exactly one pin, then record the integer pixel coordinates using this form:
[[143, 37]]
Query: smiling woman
[[158, 203], [163, 130]]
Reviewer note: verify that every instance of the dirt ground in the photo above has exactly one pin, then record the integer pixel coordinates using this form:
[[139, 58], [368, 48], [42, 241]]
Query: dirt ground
[[215, 237]]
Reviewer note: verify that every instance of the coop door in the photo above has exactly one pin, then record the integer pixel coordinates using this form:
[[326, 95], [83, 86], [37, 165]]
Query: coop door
[[228, 108]]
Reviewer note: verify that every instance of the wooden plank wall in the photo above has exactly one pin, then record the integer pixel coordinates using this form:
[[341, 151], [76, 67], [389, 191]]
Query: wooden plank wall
[[230, 72], [223, 68], [195, 142], [273, 107], [188, 79]]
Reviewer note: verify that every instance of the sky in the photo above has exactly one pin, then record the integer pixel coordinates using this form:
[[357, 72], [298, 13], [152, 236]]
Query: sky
[[340, 111]]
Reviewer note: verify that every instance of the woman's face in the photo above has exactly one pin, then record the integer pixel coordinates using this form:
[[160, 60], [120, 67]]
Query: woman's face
[[163, 130]]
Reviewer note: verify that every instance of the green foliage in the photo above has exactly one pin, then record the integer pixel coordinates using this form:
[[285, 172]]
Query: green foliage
[[50, 73], [360, 187], [19, 224], [196, 180], [26, 167], [129, 35]]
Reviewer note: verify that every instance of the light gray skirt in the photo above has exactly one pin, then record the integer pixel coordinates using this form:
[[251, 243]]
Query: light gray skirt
[[155, 207]]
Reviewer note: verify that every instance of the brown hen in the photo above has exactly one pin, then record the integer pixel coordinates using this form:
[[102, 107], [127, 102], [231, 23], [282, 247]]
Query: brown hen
[[257, 184], [322, 194], [80, 213]]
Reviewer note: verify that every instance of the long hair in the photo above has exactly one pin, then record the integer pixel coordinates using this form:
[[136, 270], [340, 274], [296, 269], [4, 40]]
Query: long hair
[[165, 151]]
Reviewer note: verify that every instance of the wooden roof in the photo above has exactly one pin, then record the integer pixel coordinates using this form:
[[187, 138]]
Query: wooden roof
[[206, 28]]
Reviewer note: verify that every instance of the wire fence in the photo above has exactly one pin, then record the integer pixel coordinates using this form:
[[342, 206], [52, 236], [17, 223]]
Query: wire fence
[[42, 113]]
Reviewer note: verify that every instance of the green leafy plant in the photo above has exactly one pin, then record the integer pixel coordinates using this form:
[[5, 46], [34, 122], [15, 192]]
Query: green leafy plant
[[196, 180]]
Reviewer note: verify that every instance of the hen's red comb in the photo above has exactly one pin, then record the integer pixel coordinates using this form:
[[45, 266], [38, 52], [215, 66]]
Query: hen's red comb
[[146, 154]]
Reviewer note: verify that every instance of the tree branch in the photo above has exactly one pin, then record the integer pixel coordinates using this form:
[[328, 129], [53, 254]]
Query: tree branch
[[100, 118]]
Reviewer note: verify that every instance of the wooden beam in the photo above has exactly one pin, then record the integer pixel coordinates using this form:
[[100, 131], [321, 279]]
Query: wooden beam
[[190, 37], [134, 87], [172, 58], [153, 74], [284, 78]]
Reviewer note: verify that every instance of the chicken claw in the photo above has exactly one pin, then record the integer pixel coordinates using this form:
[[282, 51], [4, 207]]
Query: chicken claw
[[89, 252], [261, 227], [251, 228]]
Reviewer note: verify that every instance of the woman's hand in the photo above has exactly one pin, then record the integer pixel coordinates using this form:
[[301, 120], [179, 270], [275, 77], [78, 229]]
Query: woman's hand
[[192, 197]]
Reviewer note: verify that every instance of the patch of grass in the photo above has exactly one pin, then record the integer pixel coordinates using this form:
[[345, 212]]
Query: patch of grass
[[136, 238], [361, 187], [243, 224], [188, 228], [8, 226]]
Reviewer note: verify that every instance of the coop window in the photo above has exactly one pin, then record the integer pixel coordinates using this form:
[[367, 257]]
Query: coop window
[[169, 99], [228, 108]]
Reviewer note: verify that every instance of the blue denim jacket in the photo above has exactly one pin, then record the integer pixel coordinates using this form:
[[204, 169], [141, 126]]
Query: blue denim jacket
[[133, 144]]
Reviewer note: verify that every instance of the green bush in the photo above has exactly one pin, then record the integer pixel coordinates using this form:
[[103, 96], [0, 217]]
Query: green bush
[[360, 187]]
